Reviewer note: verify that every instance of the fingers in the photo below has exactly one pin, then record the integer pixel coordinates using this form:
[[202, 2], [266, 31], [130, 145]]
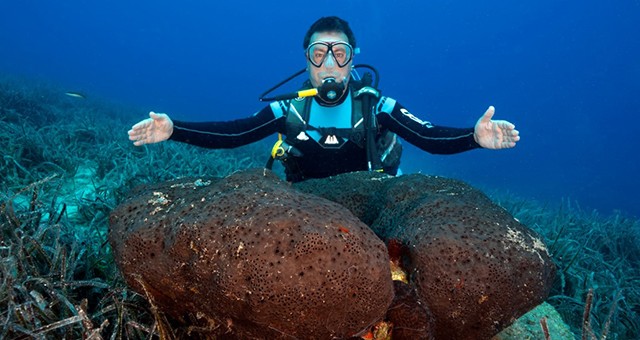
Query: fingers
[[136, 137], [509, 137], [515, 135], [143, 124], [509, 131], [139, 132], [504, 125], [139, 142], [507, 145], [506, 134], [147, 122]]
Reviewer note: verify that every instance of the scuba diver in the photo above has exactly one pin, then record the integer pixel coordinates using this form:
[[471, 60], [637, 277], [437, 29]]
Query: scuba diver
[[337, 123]]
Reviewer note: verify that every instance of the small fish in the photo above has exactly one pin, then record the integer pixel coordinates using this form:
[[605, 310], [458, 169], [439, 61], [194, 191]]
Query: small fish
[[75, 95]]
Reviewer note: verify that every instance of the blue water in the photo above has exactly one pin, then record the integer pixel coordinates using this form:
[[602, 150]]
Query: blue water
[[567, 73]]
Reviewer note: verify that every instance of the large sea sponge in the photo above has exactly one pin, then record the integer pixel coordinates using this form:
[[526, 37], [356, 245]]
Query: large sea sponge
[[474, 266], [259, 258], [252, 257]]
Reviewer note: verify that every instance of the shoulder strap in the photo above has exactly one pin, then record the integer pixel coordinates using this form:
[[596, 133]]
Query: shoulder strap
[[296, 117], [368, 97]]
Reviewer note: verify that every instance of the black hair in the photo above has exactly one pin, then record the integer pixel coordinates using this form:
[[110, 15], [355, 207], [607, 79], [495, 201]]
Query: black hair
[[330, 24]]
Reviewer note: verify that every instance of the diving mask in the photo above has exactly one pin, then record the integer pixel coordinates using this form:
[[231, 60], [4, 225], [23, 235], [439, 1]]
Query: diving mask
[[319, 51]]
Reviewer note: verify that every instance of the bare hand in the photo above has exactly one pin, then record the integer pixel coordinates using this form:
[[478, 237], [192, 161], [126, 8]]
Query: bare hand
[[495, 134], [157, 128]]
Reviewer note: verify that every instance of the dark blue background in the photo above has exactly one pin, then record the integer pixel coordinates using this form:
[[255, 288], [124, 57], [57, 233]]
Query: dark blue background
[[567, 73]]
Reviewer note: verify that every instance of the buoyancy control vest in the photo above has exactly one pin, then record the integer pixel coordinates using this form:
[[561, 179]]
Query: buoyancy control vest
[[383, 147]]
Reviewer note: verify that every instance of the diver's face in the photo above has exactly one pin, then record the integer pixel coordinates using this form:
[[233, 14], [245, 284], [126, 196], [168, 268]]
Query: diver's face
[[330, 62]]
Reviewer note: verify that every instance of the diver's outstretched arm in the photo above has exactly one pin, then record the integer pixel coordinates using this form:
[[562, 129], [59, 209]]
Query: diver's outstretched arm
[[495, 134], [157, 128]]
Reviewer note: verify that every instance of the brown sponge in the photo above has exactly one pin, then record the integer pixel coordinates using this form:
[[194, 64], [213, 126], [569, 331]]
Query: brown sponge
[[474, 266], [252, 258]]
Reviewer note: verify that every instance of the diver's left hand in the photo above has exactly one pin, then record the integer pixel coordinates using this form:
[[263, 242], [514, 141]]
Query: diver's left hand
[[495, 134]]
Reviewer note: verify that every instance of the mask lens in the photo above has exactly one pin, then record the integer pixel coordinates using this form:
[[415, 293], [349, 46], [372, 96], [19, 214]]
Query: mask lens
[[342, 52], [318, 51]]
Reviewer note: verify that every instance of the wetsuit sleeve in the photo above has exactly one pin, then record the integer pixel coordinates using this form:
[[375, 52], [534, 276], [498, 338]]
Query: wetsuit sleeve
[[229, 134], [428, 137]]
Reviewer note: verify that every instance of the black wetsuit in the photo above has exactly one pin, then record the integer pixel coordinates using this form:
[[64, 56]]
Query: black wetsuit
[[324, 154]]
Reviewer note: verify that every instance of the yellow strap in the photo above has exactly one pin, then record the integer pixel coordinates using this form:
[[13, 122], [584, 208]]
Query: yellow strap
[[277, 149]]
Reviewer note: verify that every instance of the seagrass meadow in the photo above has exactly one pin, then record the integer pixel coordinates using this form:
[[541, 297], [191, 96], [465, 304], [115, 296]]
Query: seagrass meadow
[[66, 163]]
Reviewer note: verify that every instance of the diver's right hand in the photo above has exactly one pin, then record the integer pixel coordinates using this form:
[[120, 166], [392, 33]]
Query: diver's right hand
[[157, 128]]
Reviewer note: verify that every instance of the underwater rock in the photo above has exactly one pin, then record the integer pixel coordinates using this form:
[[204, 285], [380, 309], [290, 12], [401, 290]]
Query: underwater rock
[[251, 257], [475, 267], [529, 326]]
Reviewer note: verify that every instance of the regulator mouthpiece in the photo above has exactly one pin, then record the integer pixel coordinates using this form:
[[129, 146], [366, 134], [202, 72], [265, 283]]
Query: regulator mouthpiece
[[331, 91]]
